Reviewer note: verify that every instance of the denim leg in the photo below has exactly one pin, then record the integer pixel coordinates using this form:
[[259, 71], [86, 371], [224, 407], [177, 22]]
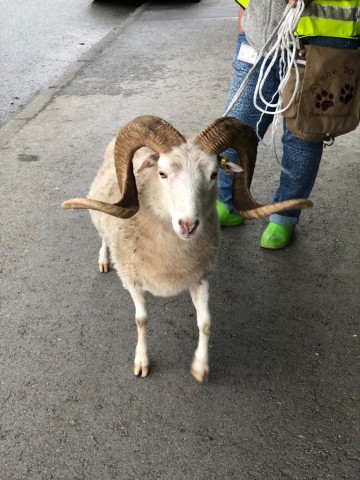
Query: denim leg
[[245, 111], [301, 159]]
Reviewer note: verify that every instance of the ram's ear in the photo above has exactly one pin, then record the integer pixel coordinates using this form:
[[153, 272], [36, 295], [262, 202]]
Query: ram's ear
[[229, 166], [149, 162], [234, 167]]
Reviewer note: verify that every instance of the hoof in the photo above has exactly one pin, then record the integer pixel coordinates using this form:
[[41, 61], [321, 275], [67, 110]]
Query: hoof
[[103, 267], [200, 377], [199, 371], [141, 371]]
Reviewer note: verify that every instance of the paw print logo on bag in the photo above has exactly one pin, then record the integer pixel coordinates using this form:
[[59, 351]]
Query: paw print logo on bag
[[346, 93], [324, 100]]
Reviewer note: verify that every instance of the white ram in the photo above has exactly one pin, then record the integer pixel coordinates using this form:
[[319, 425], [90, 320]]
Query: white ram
[[163, 234]]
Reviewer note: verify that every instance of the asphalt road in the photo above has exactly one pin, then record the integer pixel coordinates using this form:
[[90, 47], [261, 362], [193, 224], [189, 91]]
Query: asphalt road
[[39, 40]]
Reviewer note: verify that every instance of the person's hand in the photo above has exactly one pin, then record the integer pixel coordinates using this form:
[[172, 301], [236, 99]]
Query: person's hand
[[293, 3]]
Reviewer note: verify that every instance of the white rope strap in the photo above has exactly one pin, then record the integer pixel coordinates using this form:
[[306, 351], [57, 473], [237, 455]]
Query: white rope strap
[[284, 51]]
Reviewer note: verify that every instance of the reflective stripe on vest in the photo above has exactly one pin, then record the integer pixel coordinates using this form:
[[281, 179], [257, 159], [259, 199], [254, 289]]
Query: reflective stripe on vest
[[329, 18]]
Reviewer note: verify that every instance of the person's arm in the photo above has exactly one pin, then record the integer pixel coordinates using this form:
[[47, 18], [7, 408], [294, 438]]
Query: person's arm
[[241, 14]]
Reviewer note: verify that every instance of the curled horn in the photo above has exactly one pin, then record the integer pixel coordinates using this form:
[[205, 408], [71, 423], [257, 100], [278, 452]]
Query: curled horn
[[144, 131], [227, 132]]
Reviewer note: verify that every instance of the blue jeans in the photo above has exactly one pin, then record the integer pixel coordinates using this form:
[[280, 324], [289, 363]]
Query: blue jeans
[[300, 158]]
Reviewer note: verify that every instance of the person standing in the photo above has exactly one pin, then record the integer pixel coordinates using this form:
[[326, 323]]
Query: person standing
[[320, 24]]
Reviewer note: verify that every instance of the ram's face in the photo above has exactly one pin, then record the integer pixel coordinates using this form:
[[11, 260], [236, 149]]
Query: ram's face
[[188, 177]]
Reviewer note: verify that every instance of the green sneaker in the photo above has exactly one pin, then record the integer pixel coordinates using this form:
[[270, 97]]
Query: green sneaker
[[276, 236], [226, 218]]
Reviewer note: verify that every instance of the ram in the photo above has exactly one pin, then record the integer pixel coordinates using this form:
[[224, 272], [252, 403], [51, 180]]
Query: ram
[[163, 233]]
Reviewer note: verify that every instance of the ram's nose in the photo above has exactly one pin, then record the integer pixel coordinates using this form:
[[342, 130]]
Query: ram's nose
[[188, 228]]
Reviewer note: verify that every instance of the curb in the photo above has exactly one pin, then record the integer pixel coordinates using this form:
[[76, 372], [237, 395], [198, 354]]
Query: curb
[[41, 101]]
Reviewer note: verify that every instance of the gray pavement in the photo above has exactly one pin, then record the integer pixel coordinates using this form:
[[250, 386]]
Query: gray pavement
[[282, 401]]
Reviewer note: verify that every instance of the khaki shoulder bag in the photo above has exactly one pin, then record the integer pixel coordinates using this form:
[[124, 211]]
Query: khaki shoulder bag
[[327, 103]]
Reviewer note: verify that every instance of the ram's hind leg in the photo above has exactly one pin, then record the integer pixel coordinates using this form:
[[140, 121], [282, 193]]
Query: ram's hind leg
[[200, 297], [141, 363], [104, 258]]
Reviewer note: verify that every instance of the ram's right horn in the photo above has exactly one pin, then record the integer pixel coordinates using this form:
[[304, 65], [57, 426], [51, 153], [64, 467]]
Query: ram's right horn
[[228, 132]]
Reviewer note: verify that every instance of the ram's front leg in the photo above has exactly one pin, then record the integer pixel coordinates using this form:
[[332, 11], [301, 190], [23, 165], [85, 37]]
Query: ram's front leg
[[200, 297], [104, 258], [141, 363]]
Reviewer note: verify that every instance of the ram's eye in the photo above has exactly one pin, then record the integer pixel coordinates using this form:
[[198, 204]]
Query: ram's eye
[[214, 175], [162, 175]]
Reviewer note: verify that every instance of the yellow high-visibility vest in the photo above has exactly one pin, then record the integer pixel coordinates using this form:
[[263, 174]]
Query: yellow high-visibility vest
[[243, 4], [327, 18]]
